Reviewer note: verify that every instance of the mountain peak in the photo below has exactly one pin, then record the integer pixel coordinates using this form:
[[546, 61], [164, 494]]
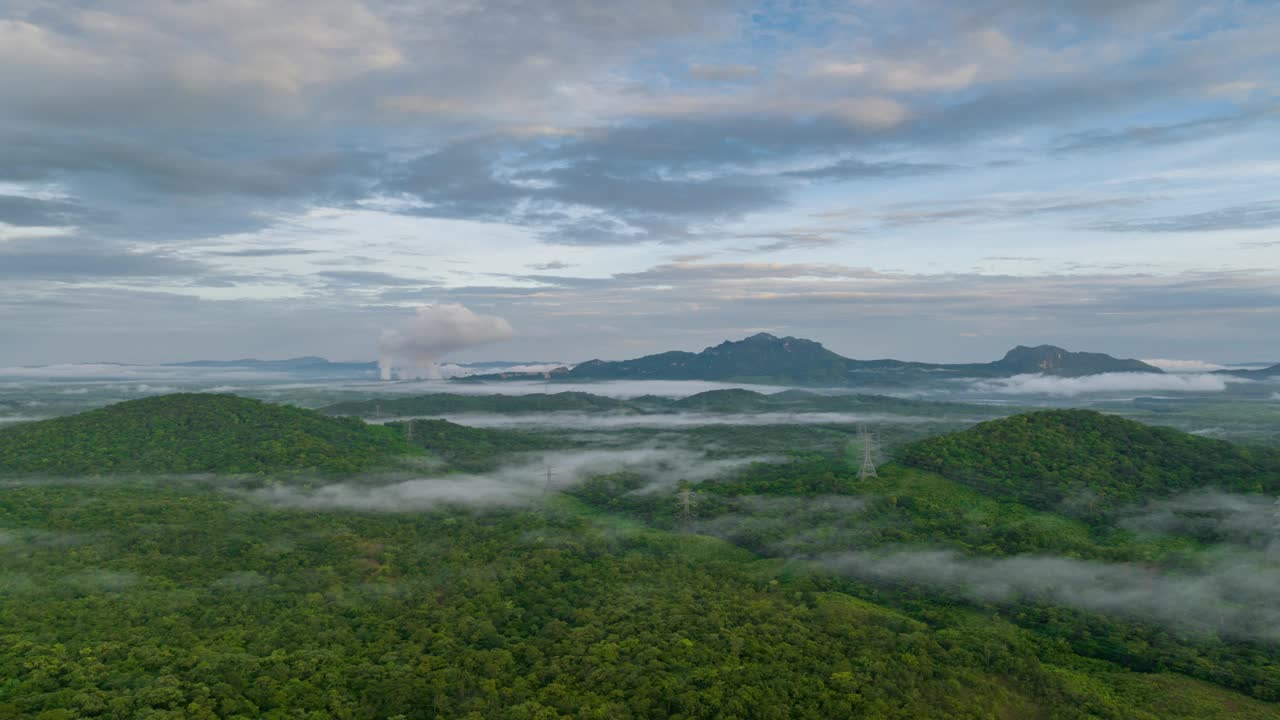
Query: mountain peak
[[1053, 360]]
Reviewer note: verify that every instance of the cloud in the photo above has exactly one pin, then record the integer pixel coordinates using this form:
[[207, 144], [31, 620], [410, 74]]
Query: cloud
[[72, 259], [1035, 384], [511, 486], [1009, 206], [1211, 516], [723, 73], [376, 279], [1231, 595], [1255, 216], [552, 265], [1184, 366], [434, 331], [852, 169], [262, 252], [40, 212], [603, 421]]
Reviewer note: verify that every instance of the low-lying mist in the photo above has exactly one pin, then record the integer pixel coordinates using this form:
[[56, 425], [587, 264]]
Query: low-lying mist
[[601, 421], [1233, 595], [518, 484], [1036, 384]]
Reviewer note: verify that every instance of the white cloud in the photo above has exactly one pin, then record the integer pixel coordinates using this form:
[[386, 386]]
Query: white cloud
[[1183, 366], [1035, 384], [598, 421], [510, 486]]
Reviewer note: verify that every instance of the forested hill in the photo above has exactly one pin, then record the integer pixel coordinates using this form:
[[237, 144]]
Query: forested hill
[[194, 432], [1044, 458]]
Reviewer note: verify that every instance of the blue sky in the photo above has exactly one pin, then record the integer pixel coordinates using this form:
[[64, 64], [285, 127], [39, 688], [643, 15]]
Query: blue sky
[[924, 180]]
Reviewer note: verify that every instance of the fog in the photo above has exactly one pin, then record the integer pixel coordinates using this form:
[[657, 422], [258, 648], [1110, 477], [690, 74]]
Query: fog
[[111, 372], [1184, 366], [513, 485], [600, 421], [1036, 384], [1235, 596], [1208, 514]]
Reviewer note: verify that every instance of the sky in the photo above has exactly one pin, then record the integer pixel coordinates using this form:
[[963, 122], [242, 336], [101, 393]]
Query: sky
[[912, 179]]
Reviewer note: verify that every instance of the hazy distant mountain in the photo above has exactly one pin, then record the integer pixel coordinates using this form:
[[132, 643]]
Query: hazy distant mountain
[[765, 358], [1263, 374], [308, 364], [762, 357], [318, 367], [1052, 360]]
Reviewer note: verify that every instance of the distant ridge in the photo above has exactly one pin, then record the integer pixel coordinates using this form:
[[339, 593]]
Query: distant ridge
[[765, 358], [1263, 374], [1052, 360]]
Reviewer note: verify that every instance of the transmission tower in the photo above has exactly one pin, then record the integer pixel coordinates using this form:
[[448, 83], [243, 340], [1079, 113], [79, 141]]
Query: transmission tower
[[868, 438], [685, 506], [547, 486], [408, 432]]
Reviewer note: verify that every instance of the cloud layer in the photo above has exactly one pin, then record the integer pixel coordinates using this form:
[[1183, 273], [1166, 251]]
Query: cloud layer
[[1102, 383], [237, 179]]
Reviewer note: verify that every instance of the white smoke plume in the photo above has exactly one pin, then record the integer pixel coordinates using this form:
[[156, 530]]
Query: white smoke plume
[[434, 331], [1035, 384]]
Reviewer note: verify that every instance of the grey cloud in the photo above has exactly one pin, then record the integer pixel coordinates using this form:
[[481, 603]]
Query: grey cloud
[[366, 277], [262, 252], [177, 169], [1255, 216], [69, 259], [853, 169], [723, 73], [552, 265], [629, 203], [995, 207], [37, 212], [1137, 135], [793, 240]]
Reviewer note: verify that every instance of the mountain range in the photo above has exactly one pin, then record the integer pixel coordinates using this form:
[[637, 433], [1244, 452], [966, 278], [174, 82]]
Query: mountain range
[[766, 358], [1261, 374]]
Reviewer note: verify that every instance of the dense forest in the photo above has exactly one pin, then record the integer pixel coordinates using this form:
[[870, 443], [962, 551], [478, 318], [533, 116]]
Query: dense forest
[[131, 599], [194, 433], [1047, 458], [211, 597]]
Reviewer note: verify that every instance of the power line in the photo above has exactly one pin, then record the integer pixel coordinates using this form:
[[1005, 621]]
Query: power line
[[869, 452], [686, 506]]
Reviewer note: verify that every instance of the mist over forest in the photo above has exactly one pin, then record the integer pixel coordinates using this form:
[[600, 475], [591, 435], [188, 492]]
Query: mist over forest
[[671, 360]]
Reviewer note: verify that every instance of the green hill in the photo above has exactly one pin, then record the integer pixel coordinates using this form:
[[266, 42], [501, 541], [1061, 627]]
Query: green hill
[[194, 433], [1044, 458]]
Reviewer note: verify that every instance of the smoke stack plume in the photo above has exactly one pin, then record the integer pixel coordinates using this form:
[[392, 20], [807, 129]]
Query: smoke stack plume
[[434, 331]]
